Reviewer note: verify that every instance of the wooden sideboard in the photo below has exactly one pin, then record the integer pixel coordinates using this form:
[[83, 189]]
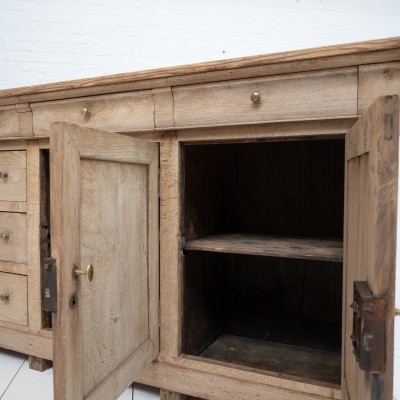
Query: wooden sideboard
[[201, 228]]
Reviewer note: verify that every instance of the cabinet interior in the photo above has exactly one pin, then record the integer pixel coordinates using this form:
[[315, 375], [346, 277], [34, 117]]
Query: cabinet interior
[[262, 274]]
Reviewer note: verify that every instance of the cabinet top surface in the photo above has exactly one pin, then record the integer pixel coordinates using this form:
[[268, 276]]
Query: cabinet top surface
[[382, 50]]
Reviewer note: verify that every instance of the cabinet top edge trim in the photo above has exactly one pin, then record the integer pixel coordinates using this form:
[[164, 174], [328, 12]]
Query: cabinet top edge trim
[[350, 54]]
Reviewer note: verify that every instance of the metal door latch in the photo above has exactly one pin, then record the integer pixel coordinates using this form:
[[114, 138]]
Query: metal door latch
[[49, 285], [369, 329]]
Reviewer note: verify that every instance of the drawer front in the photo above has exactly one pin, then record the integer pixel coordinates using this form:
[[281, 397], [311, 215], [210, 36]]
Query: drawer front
[[9, 122], [12, 175], [321, 94], [117, 113], [13, 298], [13, 237]]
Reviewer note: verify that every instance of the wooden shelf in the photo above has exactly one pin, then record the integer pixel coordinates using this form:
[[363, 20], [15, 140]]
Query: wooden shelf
[[314, 364], [272, 246]]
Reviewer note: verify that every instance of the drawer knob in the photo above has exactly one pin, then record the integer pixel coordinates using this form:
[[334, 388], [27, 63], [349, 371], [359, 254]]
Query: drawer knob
[[4, 236], [85, 112], [3, 174], [255, 96], [4, 297], [76, 272]]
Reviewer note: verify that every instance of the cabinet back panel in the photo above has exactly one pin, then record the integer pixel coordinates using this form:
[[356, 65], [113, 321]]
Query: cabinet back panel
[[288, 188]]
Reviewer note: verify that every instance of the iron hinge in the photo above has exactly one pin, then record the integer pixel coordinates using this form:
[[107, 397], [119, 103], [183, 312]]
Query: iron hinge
[[369, 329], [49, 285]]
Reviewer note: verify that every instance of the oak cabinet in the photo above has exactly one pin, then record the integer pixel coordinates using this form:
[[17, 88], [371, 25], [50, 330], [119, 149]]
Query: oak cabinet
[[205, 229]]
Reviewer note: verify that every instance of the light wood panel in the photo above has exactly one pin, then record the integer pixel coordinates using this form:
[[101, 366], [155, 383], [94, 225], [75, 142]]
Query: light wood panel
[[13, 187], [382, 50], [370, 232], [283, 97], [116, 113], [14, 248], [9, 122], [211, 381], [108, 193], [271, 246], [377, 80], [15, 308]]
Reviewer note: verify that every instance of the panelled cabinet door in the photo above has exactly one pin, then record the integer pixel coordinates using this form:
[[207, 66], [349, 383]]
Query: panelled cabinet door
[[370, 252], [104, 210]]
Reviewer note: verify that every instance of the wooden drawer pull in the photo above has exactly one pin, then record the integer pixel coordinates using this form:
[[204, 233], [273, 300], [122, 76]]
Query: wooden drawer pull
[[3, 174], [255, 97], [5, 297], [4, 236], [85, 112]]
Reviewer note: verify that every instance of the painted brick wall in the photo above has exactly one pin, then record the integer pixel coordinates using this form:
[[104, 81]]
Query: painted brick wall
[[51, 40]]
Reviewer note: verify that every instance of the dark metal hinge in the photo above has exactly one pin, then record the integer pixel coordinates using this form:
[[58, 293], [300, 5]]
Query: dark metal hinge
[[369, 329], [49, 285]]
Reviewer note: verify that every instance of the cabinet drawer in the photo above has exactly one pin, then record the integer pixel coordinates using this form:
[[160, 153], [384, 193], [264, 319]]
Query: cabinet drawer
[[13, 237], [13, 298], [117, 113], [9, 122], [13, 185], [321, 94]]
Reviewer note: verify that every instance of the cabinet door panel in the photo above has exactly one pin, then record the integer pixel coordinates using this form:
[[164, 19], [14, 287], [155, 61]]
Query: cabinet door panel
[[370, 235], [104, 207]]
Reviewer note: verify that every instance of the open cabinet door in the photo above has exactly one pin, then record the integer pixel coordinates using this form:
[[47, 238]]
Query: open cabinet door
[[370, 252], [104, 213]]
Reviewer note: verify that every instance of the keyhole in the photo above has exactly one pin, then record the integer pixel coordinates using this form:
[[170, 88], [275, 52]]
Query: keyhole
[[73, 301]]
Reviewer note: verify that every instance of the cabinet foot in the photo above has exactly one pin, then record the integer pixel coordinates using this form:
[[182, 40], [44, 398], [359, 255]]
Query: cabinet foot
[[39, 364]]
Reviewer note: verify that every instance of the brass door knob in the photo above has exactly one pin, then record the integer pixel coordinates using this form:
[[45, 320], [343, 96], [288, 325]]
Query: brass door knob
[[85, 112], [397, 312], [4, 236], [3, 174], [255, 97], [89, 272], [4, 297]]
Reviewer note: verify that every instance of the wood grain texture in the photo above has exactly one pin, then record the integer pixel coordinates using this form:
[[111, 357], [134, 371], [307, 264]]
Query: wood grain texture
[[13, 187], [13, 206], [33, 237], [370, 231], [270, 64], [170, 247], [163, 108], [116, 113], [9, 122], [25, 342], [101, 184], [272, 246], [25, 120], [377, 80], [15, 309], [193, 377], [15, 268], [15, 247], [293, 96], [313, 364]]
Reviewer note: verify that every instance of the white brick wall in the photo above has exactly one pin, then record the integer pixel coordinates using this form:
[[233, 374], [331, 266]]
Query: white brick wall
[[51, 40]]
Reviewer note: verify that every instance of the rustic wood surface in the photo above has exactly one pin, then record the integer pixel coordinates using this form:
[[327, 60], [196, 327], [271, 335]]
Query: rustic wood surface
[[116, 113], [370, 229], [9, 122], [15, 309], [279, 63], [377, 80], [283, 97], [13, 187], [14, 248], [272, 246], [318, 365], [105, 186]]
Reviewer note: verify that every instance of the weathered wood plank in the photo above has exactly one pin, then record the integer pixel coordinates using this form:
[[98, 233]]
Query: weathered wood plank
[[272, 246]]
